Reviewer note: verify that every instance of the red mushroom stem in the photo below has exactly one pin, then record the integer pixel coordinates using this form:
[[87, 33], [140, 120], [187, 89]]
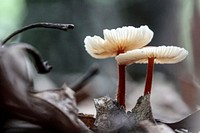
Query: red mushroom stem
[[149, 76], [121, 86]]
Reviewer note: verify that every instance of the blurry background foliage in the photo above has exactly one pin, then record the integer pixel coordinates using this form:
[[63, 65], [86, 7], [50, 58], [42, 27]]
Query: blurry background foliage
[[65, 50], [12, 14]]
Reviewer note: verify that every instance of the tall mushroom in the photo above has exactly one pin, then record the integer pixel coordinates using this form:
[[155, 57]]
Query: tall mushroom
[[115, 42], [151, 55]]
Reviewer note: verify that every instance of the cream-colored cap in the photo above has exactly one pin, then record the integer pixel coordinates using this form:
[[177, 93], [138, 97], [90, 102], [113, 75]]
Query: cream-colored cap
[[162, 55], [117, 41]]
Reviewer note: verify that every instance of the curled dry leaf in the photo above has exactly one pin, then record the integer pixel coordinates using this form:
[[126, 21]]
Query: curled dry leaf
[[110, 117], [142, 110], [16, 80], [189, 123], [88, 119], [64, 101], [16, 83], [46, 109], [18, 101], [152, 128]]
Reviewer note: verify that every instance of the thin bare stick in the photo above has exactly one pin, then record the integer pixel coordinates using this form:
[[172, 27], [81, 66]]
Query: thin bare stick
[[93, 70], [58, 26]]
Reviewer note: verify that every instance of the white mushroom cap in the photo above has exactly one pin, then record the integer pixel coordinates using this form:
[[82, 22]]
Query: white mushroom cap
[[118, 41], [162, 55]]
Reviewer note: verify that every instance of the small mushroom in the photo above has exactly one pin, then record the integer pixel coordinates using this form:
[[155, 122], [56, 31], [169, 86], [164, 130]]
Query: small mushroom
[[115, 42], [151, 55], [118, 41]]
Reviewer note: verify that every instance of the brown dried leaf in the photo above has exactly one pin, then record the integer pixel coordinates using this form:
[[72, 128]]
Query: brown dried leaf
[[142, 110], [111, 118], [16, 80], [63, 99], [189, 123], [88, 119], [152, 128]]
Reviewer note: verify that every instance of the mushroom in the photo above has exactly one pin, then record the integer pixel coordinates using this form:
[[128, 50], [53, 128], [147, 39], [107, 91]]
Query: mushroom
[[115, 42], [151, 55]]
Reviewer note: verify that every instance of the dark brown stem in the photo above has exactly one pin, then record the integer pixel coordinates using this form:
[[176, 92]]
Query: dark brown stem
[[149, 76], [121, 86], [64, 27]]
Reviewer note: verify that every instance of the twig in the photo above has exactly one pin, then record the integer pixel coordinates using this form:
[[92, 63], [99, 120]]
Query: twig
[[58, 26], [93, 70]]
